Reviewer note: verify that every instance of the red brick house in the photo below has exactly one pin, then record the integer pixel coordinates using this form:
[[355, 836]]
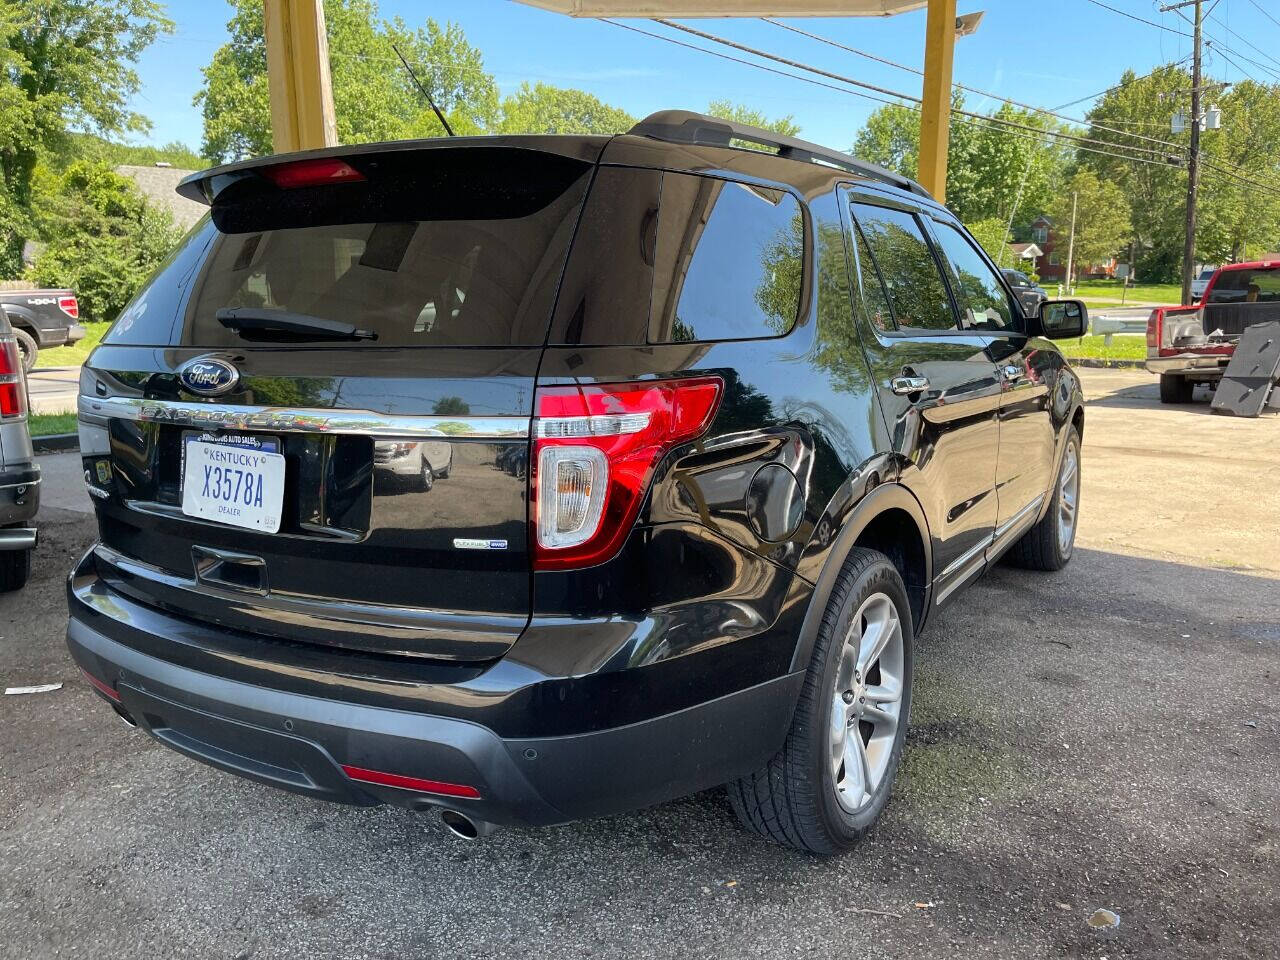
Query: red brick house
[[1051, 265]]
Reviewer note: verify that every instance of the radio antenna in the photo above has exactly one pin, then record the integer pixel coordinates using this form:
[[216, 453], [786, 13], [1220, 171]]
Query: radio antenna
[[423, 90]]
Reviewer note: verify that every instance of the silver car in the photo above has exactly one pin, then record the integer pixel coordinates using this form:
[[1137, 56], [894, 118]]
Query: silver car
[[421, 463], [19, 475]]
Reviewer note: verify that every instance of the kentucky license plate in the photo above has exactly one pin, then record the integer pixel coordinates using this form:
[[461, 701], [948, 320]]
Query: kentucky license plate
[[232, 484]]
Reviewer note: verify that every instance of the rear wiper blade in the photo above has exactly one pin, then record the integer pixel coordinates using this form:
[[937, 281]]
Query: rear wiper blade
[[264, 323]]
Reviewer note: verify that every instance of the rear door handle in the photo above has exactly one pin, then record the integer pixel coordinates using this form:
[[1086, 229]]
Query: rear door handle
[[904, 386], [1012, 373]]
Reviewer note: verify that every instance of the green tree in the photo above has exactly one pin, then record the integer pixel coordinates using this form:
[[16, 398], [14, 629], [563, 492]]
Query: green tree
[[542, 108], [1102, 224], [374, 97], [991, 234], [67, 65], [991, 167], [738, 113], [102, 239]]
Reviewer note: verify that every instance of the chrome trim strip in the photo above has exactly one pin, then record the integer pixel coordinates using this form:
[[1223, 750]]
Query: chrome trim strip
[[1017, 517], [960, 561], [365, 423], [956, 584], [24, 483]]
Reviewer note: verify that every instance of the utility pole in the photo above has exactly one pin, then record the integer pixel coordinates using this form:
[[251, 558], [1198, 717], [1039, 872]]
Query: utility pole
[[1193, 160], [1071, 241]]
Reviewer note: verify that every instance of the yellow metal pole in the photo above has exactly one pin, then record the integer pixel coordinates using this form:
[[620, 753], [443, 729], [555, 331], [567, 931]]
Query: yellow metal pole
[[935, 112], [302, 116]]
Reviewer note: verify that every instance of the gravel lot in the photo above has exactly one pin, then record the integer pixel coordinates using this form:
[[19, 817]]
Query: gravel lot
[[1107, 737]]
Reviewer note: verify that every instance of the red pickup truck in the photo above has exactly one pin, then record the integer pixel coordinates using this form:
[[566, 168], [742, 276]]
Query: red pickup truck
[[1193, 344]]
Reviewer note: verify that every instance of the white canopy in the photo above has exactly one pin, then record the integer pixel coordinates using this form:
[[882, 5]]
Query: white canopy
[[686, 9]]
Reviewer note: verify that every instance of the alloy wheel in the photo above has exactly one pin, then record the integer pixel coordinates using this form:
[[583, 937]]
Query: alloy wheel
[[1068, 498], [866, 704]]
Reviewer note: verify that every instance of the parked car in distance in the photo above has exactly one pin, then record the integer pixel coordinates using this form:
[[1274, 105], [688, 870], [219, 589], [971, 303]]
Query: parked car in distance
[[19, 474], [42, 318], [737, 422], [1031, 294], [1201, 282], [419, 462], [1193, 344]]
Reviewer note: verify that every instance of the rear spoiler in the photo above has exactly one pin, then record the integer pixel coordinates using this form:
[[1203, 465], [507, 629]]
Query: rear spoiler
[[205, 185]]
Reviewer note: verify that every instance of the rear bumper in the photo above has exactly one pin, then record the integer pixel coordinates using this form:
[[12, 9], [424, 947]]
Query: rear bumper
[[19, 503], [1200, 366], [303, 742]]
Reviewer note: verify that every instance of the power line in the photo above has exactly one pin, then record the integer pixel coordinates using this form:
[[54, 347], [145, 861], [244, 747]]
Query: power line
[[1008, 127], [1132, 16], [1264, 13], [914, 99], [961, 86], [973, 119]]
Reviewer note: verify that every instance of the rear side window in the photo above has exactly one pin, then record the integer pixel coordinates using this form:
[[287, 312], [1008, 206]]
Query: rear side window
[[981, 297], [434, 248], [906, 264], [730, 261], [148, 319], [671, 257], [1247, 286]]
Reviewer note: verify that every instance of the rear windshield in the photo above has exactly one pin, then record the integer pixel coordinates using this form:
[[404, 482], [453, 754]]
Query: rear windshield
[[1247, 286], [443, 247]]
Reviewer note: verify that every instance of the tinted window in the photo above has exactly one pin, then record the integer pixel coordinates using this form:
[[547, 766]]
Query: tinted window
[[729, 261], [981, 297], [148, 318], [874, 297], [604, 298], [906, 264], [441, 247], [1247, 286]]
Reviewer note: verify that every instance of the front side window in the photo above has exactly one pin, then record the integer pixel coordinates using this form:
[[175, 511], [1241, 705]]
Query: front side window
[[907, 266], [980, 296]]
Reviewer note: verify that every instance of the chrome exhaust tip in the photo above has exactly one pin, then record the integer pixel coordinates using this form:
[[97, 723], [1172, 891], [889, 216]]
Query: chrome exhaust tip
[[460, 825]]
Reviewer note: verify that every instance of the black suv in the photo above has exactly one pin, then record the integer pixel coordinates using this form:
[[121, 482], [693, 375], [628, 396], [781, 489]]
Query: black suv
[[538, 478]]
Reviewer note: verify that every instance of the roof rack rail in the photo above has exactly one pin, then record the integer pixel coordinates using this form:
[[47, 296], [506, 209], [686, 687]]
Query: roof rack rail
[[683, 126]]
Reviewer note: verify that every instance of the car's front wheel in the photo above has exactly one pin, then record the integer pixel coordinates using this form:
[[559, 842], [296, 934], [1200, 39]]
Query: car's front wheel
[[830, 781], [1048, 545]]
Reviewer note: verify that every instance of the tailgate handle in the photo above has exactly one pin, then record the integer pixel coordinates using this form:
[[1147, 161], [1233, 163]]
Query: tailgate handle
[[231, 571]]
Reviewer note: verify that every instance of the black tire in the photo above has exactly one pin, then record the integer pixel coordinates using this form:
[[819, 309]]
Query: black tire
[[792, 799], [1175, 388], [27, 348], [15, 568], [1041, 547], [426, 477]]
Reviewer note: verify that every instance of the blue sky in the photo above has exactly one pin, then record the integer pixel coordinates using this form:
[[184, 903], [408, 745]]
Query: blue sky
[[1039, 52]]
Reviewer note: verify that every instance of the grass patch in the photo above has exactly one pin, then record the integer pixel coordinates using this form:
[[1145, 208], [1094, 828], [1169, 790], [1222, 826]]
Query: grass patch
[[1160, 293], [49, 424], [1123, 347], [74, 354]]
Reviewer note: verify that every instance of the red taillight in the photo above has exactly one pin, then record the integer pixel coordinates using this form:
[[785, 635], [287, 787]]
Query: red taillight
[[105, 689], [70, 306], [1153, 329], [411, 783], [311, 173], [595, 447], [13, 392]]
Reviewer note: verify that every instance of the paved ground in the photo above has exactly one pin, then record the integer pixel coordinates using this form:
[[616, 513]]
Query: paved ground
[[53, 389], [1107, 737]]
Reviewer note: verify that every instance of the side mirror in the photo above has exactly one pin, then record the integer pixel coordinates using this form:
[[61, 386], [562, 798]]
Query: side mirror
[[1063, 319]]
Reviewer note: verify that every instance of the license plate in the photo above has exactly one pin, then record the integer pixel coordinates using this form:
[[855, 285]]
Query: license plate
[[239, 485]]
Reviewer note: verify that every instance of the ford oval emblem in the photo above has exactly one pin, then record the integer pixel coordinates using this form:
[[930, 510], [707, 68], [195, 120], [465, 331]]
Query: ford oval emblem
[[208, 376]]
